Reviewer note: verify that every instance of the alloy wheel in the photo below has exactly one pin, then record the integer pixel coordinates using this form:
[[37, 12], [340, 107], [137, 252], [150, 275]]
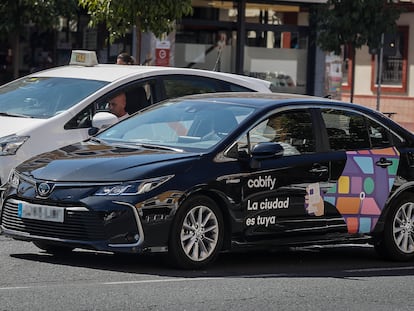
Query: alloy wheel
[[200, 233], [403, 228]]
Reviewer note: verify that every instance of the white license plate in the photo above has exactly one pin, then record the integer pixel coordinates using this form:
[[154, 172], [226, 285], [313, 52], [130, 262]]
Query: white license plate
[[40, 212]]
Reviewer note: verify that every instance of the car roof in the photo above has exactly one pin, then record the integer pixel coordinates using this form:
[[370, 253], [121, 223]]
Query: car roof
[[113, 72], [269, 100], [257, 99]]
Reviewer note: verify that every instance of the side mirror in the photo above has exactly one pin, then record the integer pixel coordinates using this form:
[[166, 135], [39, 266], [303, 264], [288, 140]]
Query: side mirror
[[267, 150], [102, 120]]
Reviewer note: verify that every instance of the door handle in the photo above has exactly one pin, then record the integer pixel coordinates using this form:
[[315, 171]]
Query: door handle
[[383, 162], [319, 170]]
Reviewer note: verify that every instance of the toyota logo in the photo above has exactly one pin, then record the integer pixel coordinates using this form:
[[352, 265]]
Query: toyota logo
[[43, 189]]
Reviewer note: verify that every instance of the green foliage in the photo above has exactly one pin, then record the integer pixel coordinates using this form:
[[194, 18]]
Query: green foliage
[[354, 22], [15, 14], [119, 16]]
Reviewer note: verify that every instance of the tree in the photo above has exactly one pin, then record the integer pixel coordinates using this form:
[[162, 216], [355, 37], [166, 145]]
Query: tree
[[354, 24], [157, 16], [17, 14]]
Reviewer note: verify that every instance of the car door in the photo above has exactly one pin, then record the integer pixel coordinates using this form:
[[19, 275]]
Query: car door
[[364, 163], [281, 195]]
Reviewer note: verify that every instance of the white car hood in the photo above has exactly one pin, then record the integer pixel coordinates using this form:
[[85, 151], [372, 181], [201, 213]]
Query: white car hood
[[13, 125]]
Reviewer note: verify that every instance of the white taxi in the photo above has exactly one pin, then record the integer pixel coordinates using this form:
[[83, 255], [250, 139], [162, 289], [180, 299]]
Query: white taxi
[[53, 108]]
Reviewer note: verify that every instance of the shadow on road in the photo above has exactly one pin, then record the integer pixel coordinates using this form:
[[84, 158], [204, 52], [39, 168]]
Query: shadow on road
[[340, 262]]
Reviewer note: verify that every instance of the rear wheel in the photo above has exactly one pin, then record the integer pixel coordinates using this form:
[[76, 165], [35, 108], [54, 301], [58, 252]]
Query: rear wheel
[[197, 233], [397, 241], [52, 248]]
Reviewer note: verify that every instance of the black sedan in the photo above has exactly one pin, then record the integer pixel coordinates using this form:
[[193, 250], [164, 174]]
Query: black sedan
[[206, 173]]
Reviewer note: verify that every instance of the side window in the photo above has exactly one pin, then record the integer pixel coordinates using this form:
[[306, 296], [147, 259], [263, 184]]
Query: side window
[[292, 130], [230, 87], [380, 137], [350, 131], [139, 96], [346, 130], [176, 86], [82, 119], [180, 86]]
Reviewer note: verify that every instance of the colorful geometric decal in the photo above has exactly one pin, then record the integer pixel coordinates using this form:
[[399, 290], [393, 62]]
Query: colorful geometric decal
[[363, 188]]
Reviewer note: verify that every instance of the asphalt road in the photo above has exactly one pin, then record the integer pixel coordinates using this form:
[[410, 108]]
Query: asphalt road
[[344, 278]]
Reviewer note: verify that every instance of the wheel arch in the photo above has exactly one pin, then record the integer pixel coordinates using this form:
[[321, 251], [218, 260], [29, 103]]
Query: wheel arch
[[396, 195]]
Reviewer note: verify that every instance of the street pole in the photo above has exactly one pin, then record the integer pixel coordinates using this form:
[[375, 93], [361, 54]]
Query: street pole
[[379, 78]]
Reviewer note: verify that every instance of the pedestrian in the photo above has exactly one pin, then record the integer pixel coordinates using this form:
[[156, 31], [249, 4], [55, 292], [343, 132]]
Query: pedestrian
[[125, 59]]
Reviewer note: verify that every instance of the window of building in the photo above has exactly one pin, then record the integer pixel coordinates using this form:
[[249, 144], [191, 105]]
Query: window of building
[[394, 63], [224, 11]]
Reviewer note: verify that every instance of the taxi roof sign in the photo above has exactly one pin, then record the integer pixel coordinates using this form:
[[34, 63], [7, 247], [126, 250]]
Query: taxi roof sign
[[83, 58]]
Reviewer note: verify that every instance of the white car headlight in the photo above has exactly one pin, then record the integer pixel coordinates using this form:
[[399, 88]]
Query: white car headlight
[[11, 143], [133, 187], [14, 179]]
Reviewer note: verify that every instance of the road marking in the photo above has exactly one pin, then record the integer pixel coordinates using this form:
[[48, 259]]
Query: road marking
[[251, 276], [116, 283], [16, 287], [163, 280]]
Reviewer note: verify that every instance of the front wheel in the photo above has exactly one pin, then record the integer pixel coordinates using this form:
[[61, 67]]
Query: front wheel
[[197, 233], [397, 241]]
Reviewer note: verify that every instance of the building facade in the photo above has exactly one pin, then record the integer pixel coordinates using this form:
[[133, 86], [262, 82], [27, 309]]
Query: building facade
[[269, 40], [272, 40], [386, 83]]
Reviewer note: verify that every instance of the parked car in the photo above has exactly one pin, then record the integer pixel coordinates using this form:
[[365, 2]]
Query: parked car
[[53, 108], [201, 174]]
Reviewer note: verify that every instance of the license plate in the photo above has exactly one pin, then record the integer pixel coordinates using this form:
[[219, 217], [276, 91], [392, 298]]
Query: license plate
[[40, 212]]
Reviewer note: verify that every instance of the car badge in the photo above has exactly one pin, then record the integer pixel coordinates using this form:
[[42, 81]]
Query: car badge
[[44, 189]]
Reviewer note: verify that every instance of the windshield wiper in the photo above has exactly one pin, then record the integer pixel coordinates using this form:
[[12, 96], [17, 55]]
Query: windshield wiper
[[148, 146], [15, 115], [123, 144], [96, 140]]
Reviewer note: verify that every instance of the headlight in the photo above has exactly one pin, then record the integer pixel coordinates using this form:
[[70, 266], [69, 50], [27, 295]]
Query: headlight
[[14, 179], [133, 187], [10, 144]]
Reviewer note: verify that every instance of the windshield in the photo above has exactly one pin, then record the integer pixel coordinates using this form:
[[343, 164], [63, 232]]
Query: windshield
[[44, 97], [180, 125]]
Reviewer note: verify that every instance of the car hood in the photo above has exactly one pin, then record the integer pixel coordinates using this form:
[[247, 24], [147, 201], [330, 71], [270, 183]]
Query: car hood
[[12, 125], [89, 162]]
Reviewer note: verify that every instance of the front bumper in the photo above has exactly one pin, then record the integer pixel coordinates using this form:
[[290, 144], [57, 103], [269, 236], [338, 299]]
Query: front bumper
[[118, 229]]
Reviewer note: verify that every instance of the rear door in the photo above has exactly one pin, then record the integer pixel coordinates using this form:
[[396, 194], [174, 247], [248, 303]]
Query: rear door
[[364, 163]]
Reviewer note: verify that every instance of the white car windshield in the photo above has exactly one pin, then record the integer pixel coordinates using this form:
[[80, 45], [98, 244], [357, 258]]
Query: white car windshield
[[180, 125], [44, 97]]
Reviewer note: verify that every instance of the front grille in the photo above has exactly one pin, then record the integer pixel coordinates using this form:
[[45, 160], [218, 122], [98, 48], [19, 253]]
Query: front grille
[[78, 225]]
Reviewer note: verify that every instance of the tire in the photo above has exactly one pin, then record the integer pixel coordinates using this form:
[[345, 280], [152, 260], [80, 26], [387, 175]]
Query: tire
[[397, 240], [52, 248], [197, 233]]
